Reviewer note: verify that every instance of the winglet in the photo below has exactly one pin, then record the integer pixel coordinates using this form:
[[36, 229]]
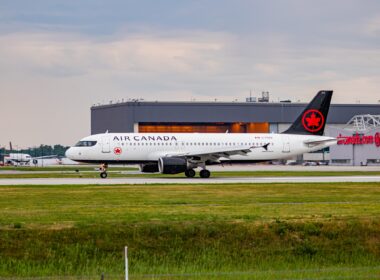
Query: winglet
[[266, 146]]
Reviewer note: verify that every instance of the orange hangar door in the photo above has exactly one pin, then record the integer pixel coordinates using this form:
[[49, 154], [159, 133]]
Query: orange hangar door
[[258, 127], [183, 127], [217, 127]]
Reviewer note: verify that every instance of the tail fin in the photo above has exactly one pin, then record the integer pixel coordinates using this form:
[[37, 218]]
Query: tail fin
[[313, 119]]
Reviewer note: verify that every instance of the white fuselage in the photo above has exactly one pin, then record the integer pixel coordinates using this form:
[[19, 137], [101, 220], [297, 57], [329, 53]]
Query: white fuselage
[[17, 159], [149, 147]]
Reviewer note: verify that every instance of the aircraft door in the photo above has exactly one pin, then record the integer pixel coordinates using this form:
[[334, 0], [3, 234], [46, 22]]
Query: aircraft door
[[285, 144], [106, 146]]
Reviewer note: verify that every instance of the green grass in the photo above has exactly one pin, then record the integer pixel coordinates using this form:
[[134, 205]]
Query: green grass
[[118, 173], [236, 231], [64, 168], [73, 174]]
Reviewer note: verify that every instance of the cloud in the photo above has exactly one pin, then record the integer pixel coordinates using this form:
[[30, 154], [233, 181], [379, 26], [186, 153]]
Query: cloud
[[50, 53], [49, 82], [372, 26], [53, 78]]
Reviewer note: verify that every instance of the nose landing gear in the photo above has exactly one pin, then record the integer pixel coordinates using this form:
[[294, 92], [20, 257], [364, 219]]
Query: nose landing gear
[[103, 169]]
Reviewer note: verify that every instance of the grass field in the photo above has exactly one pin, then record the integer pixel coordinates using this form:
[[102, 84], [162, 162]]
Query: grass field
[[241, 231], [57, 168], [116, 172]]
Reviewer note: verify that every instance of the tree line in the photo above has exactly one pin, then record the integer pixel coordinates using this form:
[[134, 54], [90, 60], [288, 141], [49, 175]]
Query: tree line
[[42, 150]]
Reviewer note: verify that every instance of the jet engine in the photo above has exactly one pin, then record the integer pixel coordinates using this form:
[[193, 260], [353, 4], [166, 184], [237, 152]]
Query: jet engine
[[172, 165], [149, 167]]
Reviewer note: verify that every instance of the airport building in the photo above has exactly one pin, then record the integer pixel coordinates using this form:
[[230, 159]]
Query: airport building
[[222, 117], [358, 141]]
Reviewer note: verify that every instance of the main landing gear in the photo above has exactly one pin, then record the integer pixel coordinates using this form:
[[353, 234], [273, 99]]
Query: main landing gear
[[190, 173], [103, 169], [204, 173]]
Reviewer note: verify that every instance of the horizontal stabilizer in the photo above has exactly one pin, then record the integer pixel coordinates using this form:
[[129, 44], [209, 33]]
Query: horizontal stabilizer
[[313, 142]]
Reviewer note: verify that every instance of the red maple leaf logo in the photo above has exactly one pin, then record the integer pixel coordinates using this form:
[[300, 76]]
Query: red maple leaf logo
[[313, 120], [117, 151]]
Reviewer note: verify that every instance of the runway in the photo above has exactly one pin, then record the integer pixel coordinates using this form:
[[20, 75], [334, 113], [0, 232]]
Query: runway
[[176, 180]]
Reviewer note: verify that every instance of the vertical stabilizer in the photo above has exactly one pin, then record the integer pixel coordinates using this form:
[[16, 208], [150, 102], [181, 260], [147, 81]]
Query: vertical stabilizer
[[313, 119]]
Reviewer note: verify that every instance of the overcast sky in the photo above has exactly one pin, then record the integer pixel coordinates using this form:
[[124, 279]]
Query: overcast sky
[[58, 57]]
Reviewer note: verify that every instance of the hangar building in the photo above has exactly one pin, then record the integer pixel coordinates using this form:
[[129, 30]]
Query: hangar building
[[213, 117], [358, 141]]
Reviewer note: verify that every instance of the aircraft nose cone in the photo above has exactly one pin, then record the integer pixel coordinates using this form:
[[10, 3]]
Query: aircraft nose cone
[[69, 153]]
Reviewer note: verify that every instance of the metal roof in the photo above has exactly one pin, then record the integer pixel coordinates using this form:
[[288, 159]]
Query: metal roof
[[363, 122]]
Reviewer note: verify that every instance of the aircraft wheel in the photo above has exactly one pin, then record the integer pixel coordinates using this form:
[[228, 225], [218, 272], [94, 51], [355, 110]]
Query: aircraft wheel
[[103, 175], [204, 173], [190, 173]]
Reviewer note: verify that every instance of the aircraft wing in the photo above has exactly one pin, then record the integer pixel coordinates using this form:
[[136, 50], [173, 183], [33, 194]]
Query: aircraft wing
[[222, 153], [52, 156]]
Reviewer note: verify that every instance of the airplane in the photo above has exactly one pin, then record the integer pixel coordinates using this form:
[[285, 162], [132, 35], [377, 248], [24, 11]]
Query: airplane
[[173, 153], [16, 159], [23, 159]]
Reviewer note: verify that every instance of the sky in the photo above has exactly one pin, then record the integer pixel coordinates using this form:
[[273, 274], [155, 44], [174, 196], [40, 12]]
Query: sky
[[59, 57]]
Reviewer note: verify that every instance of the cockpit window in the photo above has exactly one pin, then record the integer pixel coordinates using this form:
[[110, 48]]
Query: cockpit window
[[85, 144]]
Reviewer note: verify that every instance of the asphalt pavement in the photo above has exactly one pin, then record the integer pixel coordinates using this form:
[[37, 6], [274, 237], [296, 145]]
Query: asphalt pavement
[[184, 180]]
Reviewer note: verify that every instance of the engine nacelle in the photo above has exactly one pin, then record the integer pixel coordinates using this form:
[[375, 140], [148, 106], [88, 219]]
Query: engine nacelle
[[149, 167], [172, 165]]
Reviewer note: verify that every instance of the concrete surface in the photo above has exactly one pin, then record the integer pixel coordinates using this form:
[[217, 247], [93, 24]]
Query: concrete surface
[[197, 180]]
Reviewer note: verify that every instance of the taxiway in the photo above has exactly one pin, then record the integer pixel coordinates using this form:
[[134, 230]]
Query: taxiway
[[176, 180]]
